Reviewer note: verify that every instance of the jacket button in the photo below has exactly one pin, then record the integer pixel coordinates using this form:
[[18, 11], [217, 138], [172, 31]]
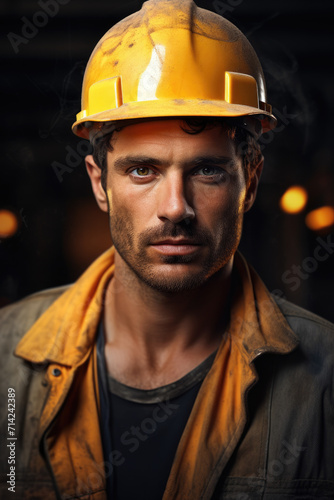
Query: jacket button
[[56, 372]]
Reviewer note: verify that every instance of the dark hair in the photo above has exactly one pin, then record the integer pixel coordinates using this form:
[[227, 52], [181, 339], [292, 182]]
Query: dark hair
[[246, 145]]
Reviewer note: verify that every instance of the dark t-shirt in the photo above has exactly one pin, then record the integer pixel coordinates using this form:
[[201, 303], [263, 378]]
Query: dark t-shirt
[[141, 430]]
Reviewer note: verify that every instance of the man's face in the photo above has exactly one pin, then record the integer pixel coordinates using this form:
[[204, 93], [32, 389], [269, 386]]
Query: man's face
[[176, 203]]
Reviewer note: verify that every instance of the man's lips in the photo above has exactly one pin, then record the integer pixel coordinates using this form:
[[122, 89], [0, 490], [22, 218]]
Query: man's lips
[[176, 246]]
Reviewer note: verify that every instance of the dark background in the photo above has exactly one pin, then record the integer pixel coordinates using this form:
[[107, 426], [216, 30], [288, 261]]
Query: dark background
[[61, 230]]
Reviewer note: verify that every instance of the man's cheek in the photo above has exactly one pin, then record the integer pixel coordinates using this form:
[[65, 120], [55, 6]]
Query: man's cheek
[[201, 198], [209, 199]]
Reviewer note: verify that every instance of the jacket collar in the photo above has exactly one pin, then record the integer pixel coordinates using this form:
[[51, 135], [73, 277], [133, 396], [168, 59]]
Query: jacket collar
[[257, 324], [66, 331]]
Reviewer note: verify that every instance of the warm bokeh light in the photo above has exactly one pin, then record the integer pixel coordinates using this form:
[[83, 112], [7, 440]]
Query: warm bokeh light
[[8, 224], [294, 200], [321, 218]]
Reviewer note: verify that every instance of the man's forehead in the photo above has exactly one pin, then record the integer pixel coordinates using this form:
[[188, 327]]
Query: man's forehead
[[165, 143], [172, 134], [189, 123]]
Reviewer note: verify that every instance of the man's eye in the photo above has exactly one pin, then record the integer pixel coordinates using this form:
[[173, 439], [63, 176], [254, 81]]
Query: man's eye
[[215, 172], [208, 171], [142, 171], [212, 175]]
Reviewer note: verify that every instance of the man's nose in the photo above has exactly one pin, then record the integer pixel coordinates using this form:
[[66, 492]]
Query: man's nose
[[173, 199]]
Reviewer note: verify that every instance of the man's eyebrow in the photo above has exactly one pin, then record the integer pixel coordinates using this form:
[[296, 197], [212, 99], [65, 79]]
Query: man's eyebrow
[[196, 162], [126, 161], [214, 161]]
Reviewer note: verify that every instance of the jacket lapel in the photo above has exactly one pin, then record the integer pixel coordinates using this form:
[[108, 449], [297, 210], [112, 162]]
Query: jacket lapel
[[65, 333]]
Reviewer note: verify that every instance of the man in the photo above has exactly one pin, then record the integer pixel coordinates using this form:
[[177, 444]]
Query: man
[[168, 370]]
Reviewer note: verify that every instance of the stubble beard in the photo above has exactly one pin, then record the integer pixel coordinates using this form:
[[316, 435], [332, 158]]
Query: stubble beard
[[138, 263]]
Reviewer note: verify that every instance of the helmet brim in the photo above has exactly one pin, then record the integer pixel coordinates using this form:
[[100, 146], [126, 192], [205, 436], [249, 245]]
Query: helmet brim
[[164, 108]]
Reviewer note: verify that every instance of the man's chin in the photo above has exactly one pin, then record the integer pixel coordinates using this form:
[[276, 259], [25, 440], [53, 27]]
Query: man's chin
[[177, 259], [176, 281], [171, 287]]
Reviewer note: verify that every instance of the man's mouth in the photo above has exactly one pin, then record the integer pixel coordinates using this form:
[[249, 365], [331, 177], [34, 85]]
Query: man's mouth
[[176, 246]]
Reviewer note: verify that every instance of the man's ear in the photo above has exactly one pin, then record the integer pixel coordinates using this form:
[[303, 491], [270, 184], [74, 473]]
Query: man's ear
[[94, 173], [252, 189]]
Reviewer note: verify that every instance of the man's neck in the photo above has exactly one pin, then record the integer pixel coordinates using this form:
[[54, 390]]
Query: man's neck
[[154, 338]]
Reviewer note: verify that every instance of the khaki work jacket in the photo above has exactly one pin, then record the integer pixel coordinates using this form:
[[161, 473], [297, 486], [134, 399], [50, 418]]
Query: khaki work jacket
[[262, 425]]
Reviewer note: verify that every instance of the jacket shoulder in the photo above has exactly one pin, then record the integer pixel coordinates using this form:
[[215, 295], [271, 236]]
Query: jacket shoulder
[[311, 329], [291, 311], [17, 318]]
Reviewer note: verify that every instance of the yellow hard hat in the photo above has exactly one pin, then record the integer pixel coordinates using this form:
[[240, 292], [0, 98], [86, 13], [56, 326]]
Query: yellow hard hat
[[173, 59]]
